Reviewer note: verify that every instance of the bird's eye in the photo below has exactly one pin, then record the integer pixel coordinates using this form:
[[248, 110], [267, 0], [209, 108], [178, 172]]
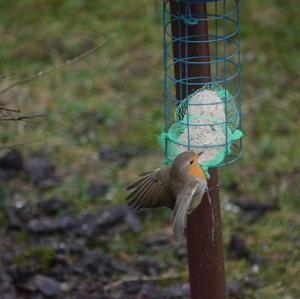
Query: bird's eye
[[192, 161]]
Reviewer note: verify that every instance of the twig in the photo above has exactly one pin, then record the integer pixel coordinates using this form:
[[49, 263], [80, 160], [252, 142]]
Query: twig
[[118, 283], [58, 66], [9, 110], [24, 117]]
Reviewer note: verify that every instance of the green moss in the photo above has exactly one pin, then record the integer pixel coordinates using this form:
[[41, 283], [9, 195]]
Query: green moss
[[35, 257]]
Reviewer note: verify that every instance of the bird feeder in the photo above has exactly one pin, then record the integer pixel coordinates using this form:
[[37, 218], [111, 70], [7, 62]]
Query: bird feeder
[[202, 112]]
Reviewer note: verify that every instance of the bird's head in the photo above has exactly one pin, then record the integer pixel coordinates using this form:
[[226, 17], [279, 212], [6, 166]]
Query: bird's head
[[187, 163]]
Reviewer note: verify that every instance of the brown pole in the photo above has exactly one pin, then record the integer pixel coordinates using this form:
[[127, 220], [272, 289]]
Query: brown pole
[[205, 254], [205, 257]]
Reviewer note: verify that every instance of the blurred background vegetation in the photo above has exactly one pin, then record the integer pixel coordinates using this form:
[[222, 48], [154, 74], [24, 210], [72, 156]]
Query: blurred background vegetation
[[102, 117]]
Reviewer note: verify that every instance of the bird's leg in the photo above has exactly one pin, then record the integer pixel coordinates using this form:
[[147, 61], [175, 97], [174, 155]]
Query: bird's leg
[[214, 187]]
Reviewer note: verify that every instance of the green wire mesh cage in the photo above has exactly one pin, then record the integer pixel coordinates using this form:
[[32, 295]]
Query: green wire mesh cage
[[202, 98]]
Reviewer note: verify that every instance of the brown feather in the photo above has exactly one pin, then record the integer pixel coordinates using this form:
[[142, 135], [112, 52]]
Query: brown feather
[[137, 201], [152, 190], [180, 212], [140, 187], [138, 182]]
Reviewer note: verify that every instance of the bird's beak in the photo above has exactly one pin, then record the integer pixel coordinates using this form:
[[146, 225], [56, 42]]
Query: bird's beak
[[199, 154]]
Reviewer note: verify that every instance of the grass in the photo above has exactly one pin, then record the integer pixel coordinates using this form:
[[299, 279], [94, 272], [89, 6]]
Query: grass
[[123, 84], [40, 257]]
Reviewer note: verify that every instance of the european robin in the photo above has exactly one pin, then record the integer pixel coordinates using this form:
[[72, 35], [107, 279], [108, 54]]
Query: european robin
[[180, 186]]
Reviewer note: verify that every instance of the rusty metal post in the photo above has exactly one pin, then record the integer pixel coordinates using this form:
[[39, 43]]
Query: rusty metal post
[[205, 255], [206, 260]]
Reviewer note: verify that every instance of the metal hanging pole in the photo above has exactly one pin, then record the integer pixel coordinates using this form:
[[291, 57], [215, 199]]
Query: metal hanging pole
[[206, 260], [205, 254]]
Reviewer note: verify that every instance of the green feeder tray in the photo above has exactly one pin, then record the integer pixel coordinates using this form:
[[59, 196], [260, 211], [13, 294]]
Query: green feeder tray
[[207, 120]]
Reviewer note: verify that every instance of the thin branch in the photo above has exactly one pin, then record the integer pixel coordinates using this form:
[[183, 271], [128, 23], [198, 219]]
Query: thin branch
[[9, 110], [24, 117], [120, 282], [58, 66]]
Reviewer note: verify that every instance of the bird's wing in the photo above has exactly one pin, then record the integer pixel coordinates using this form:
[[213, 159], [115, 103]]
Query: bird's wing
[[180, 212], [150, 190]]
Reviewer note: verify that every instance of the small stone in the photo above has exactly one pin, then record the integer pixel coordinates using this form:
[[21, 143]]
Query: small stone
[[230, 207], [18, 214], [237, 248], [5, 281], [99, 117], [149, 291], [50, 225], [177, 291], [235, 290], [10, 295], [92, 261], [133, 287], [133, 220], [296, 241], [62, 260], [251, 216], [7, 257], [252, 211], [12, 160], [77, 270], [106, 153], [45, 225], [252, 281], [65, 222], [25, 214], [97, 190], [77, 245], [49, 183], [19, 204], [19, 275], [120, 267], [13, 219], [38, 169], [71, 245], [65, 287], [103, 296], [156, 240], [46, 285], [256, 259], [120, 156], [89, 224], [149, 268], [26, 287], [255, 269]]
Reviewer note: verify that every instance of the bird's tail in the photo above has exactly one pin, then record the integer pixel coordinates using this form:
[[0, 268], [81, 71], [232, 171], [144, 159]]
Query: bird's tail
[[180, 212]]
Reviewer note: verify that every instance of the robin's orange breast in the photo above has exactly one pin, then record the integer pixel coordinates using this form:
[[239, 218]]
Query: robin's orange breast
[[195, 170]]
